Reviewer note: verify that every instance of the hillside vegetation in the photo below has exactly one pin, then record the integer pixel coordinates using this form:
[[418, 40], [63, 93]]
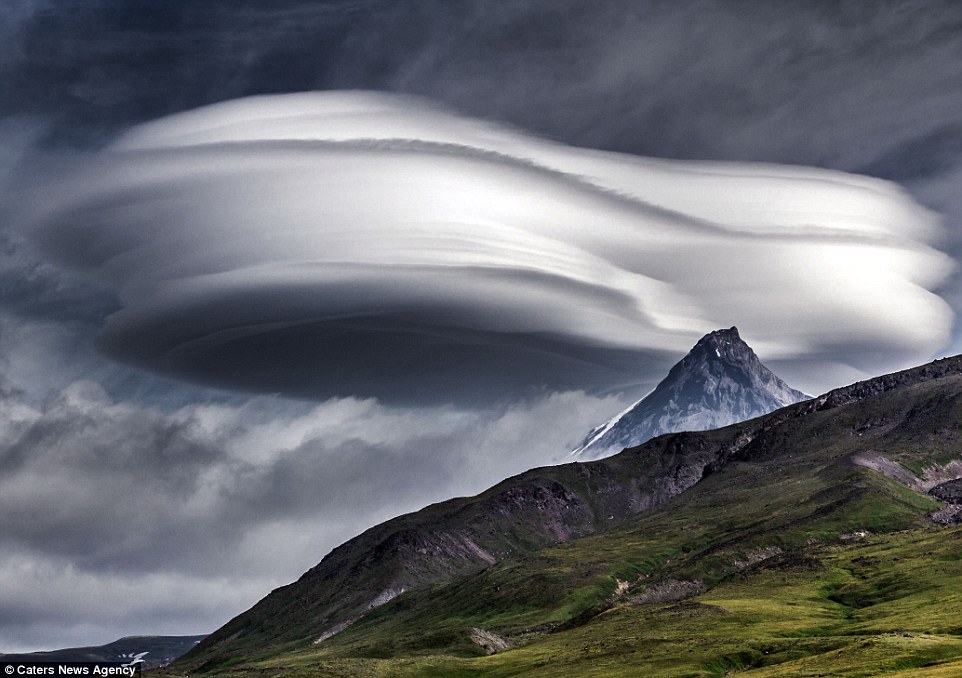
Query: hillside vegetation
[[801, 543]]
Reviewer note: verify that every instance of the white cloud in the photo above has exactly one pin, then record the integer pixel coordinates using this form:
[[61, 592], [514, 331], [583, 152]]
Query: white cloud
[[357, 243]]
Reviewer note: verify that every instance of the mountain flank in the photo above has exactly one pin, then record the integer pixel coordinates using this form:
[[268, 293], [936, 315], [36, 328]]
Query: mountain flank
[[556, 552], [153, 651], [719, 382]]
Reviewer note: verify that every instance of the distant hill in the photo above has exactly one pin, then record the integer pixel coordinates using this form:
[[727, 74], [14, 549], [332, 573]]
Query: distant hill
[[719, 382], [155, 650], [809, 540]]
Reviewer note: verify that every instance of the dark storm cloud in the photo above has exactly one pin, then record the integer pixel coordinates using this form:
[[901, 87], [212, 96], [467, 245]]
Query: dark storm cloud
[[94, 66], [829, 84], [841, 84]]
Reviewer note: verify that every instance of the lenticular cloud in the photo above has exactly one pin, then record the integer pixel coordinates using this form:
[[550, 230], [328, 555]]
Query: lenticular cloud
[[359, 243]]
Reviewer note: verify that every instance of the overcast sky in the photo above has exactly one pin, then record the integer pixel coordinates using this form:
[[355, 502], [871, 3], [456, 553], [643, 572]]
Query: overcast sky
[[274, 271]]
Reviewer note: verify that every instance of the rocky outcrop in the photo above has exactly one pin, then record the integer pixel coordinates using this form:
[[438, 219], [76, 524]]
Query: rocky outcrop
[[491, 643], [950, 492]]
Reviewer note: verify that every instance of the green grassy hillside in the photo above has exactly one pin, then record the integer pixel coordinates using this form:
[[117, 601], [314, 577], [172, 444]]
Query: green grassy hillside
[[886, 604], [806, 546]]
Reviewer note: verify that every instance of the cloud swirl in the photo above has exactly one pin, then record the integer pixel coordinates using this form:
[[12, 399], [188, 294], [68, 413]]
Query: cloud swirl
[[355, 243]]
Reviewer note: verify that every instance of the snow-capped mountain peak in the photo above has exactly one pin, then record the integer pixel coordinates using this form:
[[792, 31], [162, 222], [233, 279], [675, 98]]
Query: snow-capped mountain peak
[[721, 381]]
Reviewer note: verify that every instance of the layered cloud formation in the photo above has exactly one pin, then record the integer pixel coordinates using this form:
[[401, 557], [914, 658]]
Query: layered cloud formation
[[351, 243]]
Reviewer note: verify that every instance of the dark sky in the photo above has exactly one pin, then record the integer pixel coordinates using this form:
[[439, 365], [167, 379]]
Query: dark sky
[[741, 80], [457, 284]]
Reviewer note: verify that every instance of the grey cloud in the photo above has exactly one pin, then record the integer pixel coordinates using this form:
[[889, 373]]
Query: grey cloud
[[106, 484], [96, 66], [31, 288], [106, 507], [840, 84], [829, 84], [48, 603], [941, 192], [929, 155]]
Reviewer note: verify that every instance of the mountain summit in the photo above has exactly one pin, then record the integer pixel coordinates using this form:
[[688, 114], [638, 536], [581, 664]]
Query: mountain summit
[[721, 381]]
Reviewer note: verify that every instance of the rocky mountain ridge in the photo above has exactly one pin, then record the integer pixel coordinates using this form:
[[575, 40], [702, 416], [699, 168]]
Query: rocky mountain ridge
[[150, 651], [519, 516], [719, 382]]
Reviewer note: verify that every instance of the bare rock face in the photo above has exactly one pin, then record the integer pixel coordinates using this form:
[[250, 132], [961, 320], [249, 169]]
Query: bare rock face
[[720, 382], [491, 643], [950, 491]]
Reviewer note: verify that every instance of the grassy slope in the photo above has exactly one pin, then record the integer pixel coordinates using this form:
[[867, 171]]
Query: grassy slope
[[884, 603], [441, 543]]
